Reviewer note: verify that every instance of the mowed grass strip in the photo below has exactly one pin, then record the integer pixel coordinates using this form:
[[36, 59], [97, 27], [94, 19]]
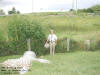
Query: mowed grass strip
[[76, 63]]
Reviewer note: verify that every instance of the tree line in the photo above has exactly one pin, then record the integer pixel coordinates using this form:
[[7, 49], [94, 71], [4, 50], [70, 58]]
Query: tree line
[[93, 9], [12, 11]]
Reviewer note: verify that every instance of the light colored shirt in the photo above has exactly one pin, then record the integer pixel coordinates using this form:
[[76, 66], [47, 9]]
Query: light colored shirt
[[52, 37]]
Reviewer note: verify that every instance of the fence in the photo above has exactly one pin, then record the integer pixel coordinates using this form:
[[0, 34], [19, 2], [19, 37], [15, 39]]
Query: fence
[[66, 45], [63, 45]]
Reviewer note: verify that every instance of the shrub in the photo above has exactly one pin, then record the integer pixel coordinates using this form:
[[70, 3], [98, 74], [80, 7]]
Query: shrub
[[38, 39], [18, 32]]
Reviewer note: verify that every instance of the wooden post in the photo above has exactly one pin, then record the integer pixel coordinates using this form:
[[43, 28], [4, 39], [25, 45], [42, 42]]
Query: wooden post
[[28, 44], [68, 44], [87, 43]]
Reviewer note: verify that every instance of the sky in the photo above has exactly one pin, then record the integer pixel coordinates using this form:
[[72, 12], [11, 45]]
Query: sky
[[26, 6]]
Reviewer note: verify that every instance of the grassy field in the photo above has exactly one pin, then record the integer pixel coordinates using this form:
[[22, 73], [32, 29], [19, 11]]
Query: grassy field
[[78, 27], [76, 63], [75, 26]]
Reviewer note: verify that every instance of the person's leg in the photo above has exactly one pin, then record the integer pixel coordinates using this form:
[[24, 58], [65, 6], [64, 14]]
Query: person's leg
[[53, 48], [50, 48]]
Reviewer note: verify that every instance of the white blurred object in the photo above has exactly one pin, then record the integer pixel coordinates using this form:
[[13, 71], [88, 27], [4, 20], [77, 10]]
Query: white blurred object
[[46, 45], [42, 60], [23, 70], [23, 62]]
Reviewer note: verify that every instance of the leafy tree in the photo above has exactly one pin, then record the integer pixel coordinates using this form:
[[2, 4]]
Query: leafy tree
[[93, 9], [2, 12], [18, 12], [23, 29], [72, 10], [90, 10], [96, 8], [13, 11]]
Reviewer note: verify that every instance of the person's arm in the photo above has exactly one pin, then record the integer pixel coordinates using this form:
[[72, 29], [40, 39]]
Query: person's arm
[[56, 40]]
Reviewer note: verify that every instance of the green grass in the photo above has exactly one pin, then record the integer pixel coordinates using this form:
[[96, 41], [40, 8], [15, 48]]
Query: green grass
[[76, 63], [75, 26], [78, 27]]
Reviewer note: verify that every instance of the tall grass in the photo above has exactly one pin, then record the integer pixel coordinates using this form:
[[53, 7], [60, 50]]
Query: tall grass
[[63, 24], [77, 27]]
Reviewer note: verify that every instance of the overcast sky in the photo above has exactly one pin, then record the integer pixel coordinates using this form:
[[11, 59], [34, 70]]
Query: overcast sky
[[25, 6]]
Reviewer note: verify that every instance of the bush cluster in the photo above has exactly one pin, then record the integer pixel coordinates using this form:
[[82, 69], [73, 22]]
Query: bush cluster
[[18, 32]]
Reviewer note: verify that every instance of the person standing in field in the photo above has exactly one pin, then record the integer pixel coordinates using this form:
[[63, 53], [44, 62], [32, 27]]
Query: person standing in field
[[52, 40]]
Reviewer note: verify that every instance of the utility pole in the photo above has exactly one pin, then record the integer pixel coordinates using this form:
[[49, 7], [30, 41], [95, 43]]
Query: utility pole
[[32, 6], [76, 6], [72, 4]]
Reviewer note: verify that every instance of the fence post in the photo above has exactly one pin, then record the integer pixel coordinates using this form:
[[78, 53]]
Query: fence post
[[68, 44], [28, 44], [87, 43]]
